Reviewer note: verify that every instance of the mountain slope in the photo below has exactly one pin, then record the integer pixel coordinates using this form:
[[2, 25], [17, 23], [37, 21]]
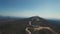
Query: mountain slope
[[19, 25]]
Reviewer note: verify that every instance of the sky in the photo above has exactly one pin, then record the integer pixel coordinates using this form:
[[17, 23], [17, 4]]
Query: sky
[[28, 8]]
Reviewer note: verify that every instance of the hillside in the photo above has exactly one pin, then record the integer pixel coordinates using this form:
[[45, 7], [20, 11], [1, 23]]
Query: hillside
[[18, 25]]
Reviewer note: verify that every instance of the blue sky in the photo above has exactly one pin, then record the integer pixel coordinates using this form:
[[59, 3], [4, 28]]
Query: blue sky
[[28, 8]]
